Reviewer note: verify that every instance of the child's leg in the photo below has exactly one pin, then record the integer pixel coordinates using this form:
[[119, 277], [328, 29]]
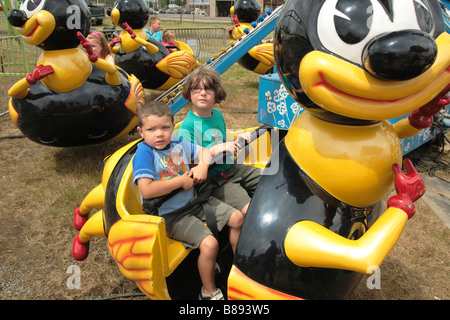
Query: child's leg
[[244, 209], [235, 223], [206, 263], [239, 189], [227, 215]]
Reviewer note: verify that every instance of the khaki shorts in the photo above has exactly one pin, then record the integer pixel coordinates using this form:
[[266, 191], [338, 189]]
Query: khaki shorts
[[189, 227], [238, 190]]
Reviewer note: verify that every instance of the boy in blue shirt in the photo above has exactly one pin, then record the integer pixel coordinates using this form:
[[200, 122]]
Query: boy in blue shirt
[[154, 31], [160, 166]]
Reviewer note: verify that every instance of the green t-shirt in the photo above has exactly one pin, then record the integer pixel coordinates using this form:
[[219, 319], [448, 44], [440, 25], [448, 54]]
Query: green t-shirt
[[206, 132]]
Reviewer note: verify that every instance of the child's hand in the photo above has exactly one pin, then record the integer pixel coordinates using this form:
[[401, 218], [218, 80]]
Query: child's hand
[[230, 147], [218, 149], [199, 173], [186, 181], [245, 136]]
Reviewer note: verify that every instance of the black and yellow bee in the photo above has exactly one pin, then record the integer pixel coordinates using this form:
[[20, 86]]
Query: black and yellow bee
[[67, 100]]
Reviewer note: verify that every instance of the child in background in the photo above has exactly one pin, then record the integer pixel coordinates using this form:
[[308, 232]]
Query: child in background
[[100, 46], [168, 40], [205, 126], [154, 31], [160, 166]]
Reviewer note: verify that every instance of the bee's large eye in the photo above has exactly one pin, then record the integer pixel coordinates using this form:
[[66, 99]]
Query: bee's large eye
[[343, 27], [30, 7], [424, 17], [353, 20], [346, 27]]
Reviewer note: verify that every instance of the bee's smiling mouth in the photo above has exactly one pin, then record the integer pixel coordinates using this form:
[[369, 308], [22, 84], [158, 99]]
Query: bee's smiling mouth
[[33, 31], [38, 28], [346, 89]]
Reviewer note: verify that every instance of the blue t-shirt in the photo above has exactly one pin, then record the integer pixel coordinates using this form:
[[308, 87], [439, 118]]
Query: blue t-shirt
[[164, 165], [157, 35]]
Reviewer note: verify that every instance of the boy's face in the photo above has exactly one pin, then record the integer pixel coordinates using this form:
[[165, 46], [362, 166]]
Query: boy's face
[[156, 25], [204, 99], [156, 131]]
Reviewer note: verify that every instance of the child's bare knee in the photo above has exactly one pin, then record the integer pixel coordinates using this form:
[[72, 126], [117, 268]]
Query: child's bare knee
[[209, 245], [236, 220]]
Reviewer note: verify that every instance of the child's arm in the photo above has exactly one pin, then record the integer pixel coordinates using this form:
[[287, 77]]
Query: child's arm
[[223, 147], [243, 138], [151, 189], [232, 146], [200, 172]]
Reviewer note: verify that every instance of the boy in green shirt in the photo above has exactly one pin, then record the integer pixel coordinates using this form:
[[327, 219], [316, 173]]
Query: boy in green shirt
[[206, 127]]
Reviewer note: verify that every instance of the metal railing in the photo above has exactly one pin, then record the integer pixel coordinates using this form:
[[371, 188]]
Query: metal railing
[[17, 59], [204, 42]]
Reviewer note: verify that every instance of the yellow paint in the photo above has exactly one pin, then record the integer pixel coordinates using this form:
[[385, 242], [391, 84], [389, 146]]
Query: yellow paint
[[93, 228], [13, 113], [71, 69], [137, 244], [309, 244], [264, 54], [37, 28], [352, 163], [129, 44], [115, 16], [241, 287], [405, 129], [19, 90]]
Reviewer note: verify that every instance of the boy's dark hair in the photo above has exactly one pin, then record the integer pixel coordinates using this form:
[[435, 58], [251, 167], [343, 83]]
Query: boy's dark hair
[[210, 78], [154, 108]]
